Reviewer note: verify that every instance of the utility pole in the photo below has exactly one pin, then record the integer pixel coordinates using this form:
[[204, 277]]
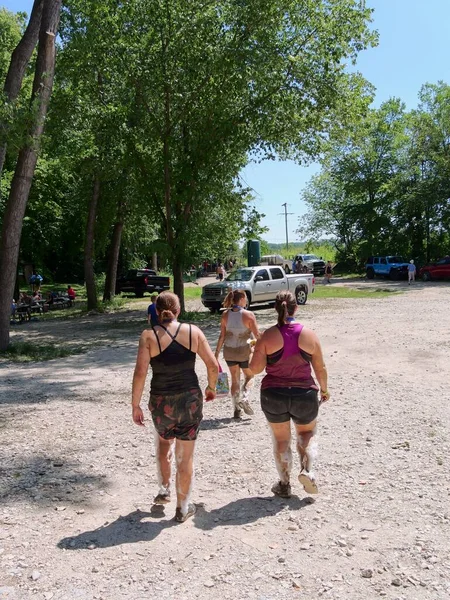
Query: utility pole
[[286, 224]]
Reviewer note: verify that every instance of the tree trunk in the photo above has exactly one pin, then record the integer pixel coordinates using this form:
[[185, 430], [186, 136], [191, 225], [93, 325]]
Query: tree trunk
[[178, 285], [113, 259], [17, 67], [89, 274], [26, 164]]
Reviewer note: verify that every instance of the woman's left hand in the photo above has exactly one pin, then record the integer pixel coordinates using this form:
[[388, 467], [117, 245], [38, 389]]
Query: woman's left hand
[[138, 416]]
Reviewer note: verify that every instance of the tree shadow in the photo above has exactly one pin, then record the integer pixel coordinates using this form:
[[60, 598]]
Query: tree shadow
[[224, 423], [126, 529], [247, 510], [44, 478]]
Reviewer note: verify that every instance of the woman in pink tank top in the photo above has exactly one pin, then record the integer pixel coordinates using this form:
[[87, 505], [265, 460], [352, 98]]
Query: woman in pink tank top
[[290, 352]]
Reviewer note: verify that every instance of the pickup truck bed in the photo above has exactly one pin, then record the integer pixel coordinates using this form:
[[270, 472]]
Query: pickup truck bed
[[139, 281]]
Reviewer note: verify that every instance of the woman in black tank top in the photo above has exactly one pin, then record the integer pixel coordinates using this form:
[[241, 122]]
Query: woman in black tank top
[[176, 401]]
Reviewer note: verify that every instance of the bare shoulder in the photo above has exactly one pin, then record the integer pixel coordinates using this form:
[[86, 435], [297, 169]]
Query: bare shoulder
[[195, 331], [308, 339], [269, 334]]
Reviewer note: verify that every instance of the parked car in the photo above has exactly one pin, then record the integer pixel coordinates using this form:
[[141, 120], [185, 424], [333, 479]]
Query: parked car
[[437, 270], [139, 281], [313, 263], [394, 267], [276, 260], [260, 284]]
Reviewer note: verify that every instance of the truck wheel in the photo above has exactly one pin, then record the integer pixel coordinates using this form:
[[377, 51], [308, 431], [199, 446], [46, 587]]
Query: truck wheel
[[139, 294], [212, 309], [249, 299], [426, 276], [370, 273], [301, 295]]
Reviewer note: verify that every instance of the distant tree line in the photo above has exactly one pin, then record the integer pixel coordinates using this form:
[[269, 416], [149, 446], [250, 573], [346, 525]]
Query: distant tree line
[[384, 186]]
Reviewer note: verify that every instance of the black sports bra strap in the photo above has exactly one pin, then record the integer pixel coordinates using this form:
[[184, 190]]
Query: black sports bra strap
[[176, 332], [168, 332], [157, 339], [190, 336]]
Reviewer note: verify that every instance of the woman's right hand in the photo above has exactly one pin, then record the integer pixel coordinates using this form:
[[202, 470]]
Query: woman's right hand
[[138, 416], [210, 394]]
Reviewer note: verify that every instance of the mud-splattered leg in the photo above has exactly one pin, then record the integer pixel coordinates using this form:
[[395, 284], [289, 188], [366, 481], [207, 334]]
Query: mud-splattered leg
[[307, 448], [163, 451], [184, 455], [281, 437]]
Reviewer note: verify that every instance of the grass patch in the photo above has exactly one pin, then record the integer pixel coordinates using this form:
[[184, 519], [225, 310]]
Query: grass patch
[[328, 291], [24, 352], [114, 305], [192, 293]]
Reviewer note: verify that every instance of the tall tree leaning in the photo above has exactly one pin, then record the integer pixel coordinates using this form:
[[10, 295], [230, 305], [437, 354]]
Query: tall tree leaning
[[26, 163], [17, 67]]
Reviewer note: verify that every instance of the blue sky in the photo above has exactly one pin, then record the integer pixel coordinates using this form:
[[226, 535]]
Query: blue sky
[[413, 50]]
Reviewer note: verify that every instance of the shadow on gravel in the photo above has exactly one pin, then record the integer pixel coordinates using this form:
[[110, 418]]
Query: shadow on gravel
[[125, 530], [247, 510], [223, 423], [44, 478]]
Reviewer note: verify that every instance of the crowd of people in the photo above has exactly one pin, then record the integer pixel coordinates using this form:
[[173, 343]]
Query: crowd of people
[[290, 354]]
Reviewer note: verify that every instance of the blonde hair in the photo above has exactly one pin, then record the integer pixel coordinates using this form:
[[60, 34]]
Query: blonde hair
[[168, 306], [285, 305], [233, 297]]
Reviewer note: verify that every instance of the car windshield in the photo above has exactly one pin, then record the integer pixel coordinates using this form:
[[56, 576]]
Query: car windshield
[[310, 257], [240, 275], [395, 259]]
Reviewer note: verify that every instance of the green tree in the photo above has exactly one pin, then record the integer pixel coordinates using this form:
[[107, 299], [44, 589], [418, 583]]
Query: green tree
[[215, 82], [26, 164]]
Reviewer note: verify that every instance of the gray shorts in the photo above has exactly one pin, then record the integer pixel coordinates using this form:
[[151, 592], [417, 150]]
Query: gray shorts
[[282, 404]]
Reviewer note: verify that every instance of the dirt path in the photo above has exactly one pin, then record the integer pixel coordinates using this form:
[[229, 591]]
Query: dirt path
[[77, 477]]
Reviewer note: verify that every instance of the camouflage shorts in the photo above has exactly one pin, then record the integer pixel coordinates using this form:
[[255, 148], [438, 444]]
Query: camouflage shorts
[[177, 416]]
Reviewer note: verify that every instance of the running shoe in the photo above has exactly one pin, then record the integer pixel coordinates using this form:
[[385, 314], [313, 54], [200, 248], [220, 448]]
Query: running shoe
[[283, 490], [308, 482], [237, 413], [163, 497], [180, 518]]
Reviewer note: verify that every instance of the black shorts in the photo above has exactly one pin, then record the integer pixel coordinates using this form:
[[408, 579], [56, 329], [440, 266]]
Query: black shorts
[[178, 415], [282, 404], [232, 363]]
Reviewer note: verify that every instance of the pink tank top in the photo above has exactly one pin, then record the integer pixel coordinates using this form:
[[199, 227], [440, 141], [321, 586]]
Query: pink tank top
[[289, 366]]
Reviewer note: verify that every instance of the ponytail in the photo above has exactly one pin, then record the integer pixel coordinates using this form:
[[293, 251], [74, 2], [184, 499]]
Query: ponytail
[[285, 305], [167, 306], [233, 297]]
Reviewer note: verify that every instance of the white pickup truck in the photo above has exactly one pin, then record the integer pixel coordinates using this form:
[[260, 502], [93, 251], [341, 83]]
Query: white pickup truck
[[261, 284]]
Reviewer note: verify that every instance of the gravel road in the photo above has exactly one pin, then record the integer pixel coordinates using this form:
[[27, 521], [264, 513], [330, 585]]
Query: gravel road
[[77, 477]]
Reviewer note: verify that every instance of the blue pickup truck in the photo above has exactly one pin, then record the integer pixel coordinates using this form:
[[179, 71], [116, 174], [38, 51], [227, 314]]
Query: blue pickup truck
[[393, 267]]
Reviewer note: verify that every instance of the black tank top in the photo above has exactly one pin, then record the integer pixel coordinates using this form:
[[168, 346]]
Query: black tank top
[[174, 368]]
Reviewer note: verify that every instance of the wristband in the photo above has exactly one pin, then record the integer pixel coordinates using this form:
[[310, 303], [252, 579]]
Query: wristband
[[211, 388]]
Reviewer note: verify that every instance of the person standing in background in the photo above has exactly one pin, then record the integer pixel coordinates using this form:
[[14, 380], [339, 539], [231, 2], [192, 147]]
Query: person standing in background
[[411, 272], [152, 315]]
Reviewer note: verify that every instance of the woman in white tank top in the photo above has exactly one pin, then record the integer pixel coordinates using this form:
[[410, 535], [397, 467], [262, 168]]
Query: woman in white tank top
[[237, 327]]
